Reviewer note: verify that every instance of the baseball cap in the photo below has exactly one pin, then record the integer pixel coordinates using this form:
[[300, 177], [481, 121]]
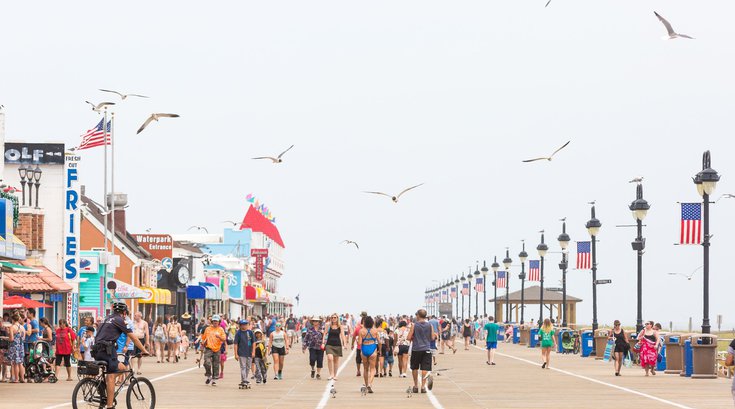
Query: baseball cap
[[244, 322], [278, 324], [216, 317]]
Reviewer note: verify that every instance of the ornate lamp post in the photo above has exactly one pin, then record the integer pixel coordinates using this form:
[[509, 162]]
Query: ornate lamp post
[[37, 176], [564, 240], [456, 285], [639, 207], [477, 293], [706, 181], [523, 256], [23, 172], [507, 261], [542, 249], [469, 294], [484, 288], [462, 279], [593, 228], [495, 266]]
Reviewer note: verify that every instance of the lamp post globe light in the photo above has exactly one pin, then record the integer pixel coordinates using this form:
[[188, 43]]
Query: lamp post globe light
[[639, 207], [523, 256], [23, 172], [495, 267], [477, 293], [484, 288], [456, 285], [469, 294], [542, 249], [706, 181], [462, 278], [593, 228], [37, 177], [564, 240], [507, 261]]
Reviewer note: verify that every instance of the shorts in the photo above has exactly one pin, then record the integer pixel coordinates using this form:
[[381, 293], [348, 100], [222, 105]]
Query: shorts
[[402, 350], [291, 333], [433, 345], [358, 357], [388, 360], [421, 360], [174, 340], [65, 358], [278, 351], [112, 361], [334, 350], [446, 336], [492, 345], [622, 348], [136, 350]]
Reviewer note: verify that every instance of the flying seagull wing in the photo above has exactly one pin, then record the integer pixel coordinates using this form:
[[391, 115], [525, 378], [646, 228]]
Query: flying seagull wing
[[267, 157], [114, 92], [284, 152], [93, 105], [358, 247], [685, 36], [167, 115], [147, 121], [562, 147], [137, 95], [379, 193], [407, 189], [104, 104], [547, 3], [534, 160], [666, 24]]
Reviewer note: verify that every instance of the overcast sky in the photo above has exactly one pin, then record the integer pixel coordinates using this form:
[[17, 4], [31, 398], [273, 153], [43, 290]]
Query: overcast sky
[[384, 95]]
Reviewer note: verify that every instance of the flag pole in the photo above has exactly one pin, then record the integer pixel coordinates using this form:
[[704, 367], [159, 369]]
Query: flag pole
[[112, 185], [104, 198]]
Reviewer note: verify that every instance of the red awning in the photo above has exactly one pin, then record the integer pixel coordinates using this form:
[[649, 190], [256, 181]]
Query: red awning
[[17, 301], [251, 293]]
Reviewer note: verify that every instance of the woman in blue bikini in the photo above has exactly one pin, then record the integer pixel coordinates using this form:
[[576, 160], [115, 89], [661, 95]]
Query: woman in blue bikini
[[368, 349]]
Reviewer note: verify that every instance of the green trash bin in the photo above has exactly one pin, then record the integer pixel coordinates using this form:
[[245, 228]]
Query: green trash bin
[[704, 356]]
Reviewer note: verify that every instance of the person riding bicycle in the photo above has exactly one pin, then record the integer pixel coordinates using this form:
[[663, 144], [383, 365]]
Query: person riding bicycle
[[105, 346]]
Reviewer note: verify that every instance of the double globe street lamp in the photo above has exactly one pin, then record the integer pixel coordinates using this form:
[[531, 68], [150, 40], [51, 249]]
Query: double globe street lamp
[[564, 240], [593, 228], [495, 267], [507, 261], [639, 207], [523, 256], [542, 249], [484, 288]]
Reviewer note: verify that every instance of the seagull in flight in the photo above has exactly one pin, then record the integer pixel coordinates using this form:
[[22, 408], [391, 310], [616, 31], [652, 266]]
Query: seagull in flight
[[123, 96], [726, 196], [198, 228], [231, 222], [638, 179], [155, 117], [277, 159], [98, 107], [351, 242], [396, 197], [549, 157], [547, 4], [688, 276], [672, 34]]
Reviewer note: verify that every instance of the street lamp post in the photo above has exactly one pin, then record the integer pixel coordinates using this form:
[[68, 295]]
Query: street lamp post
[[477, 293], [593, 228], [563, 240], [469, 294], [639, 207], [523, 256], [484, 288], [37, 176], [507, 261], [706, 181], [495, 266], [542, 248], [23, 172], [462, 279], [456, 285]]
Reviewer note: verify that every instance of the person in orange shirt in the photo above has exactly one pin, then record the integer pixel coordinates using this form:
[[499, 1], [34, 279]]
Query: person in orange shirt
[[212, 339]]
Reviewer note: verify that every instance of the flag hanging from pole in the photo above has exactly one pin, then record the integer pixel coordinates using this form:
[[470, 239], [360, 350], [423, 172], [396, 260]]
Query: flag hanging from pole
[[465, 288], [444, 295], [454, 292], [96, 136], [479, 284], [583, 255], [500, 280], [691, 223], [534, 271]]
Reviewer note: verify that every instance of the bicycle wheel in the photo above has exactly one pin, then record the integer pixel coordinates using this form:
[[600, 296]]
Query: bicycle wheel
[[86, 395], [141, 394]]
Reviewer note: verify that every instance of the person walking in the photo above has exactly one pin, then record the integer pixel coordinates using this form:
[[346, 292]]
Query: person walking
[[213, 338], [16, 351], [730, 361], [243, 345], [467, 333], [401, 340], [622, 345], [159, 339], [32, 329], [313, 342], [173, 332], [140, 329], [65, 338], [368, 341], [421, 335], [280, 346], [291, 324], [260, 356], [548, 341], [333, 343], [88, 321], [356, 340], [648, 341], [491, 339], [388, 352]]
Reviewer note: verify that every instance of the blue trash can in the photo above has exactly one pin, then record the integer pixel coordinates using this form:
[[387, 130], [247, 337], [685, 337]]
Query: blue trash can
[[661, 365], [516, 334], [533, 338], [501, 333], [588, 341], [688, 359]]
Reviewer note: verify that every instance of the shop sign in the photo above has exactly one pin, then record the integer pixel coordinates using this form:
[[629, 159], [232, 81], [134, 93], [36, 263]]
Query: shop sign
[[260, 256], [35, 153], [6, 220], [71, 218], [89, 264], [72, 309], [160, 246], [234, 284]]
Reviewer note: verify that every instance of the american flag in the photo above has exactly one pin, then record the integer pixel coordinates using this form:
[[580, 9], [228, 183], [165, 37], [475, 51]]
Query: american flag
[[444, 295], [500, 279], [534, 271], [583, 255], [465, 288], [96, 136], [479, 284], [454, 292], [691, 223]]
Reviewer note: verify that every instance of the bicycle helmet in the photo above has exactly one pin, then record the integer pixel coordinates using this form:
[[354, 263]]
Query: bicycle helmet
[[119, 307]]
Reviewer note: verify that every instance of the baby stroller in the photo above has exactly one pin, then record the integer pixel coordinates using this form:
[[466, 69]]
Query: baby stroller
[[38, 363], [569, 342]]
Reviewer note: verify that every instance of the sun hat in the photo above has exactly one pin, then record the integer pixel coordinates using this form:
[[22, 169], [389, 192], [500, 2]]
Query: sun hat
[[257, 330], [216, 317], [315, 318]]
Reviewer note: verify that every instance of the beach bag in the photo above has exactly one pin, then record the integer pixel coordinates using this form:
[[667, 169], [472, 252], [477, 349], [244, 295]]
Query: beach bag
[[159, 332], [627, 361]]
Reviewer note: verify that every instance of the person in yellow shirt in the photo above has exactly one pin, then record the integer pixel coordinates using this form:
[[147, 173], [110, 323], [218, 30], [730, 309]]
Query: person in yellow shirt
[[212, 339]]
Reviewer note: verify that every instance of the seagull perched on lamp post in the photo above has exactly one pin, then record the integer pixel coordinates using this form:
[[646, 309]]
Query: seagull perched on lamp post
[[277, 159], [155, 117], [123, 96], [396, 197], [638, 179], [98, 107], [548, 158]]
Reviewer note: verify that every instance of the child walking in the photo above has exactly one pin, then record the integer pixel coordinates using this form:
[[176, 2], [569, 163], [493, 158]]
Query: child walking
[[259, 358]]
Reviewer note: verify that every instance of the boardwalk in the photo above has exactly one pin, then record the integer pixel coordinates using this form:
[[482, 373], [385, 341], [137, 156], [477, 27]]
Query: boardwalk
[[516, 382]]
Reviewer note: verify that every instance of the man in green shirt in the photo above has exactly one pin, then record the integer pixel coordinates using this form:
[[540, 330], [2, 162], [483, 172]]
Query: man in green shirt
[[491, 328]]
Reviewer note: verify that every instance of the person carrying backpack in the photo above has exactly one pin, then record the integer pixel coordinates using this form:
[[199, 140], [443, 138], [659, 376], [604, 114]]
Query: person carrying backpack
[[244, 340]]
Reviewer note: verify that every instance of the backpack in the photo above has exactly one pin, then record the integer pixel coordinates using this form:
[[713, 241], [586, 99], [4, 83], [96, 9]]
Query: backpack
[[159, 333]]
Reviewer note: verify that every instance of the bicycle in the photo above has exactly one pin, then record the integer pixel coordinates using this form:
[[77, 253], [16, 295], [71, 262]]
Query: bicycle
[[91, 391]]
